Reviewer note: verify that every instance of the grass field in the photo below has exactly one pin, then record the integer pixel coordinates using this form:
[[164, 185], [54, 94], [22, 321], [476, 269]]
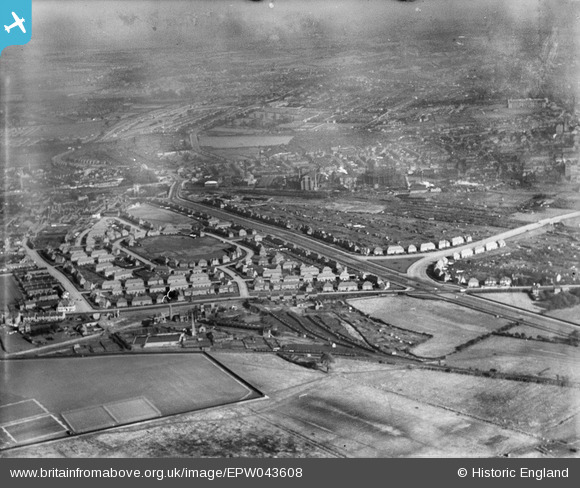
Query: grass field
[[354, 411], [450, 325], [509, 355], [99, 392], [400, 264], [531, 407], [554, 331], [222, 142], [520, 300], [9, 291], [159, 216], [357, 419], [181, 247], [571, 314]]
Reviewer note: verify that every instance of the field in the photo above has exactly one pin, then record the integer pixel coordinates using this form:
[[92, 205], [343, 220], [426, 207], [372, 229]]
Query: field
[[553, 331], [398, 264], [520, 300], [355, 207], [181, 247], [518, 356], [222, 142], [449, 324], [571, 314], [10, 292], [159, 216], [95, 393], [307, 414], [531, 407], [546, 213]]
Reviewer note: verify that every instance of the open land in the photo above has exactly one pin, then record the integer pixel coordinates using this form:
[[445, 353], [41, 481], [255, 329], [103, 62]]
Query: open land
[[391, 424], [190, 382], [571, 314], [449, 325], [10, 290], [521, 356], [158, 216], [517, 299], [529, 407], [558, 331], [221, 142]]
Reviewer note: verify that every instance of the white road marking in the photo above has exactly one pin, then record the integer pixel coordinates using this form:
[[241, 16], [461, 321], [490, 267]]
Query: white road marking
[[8, 434]]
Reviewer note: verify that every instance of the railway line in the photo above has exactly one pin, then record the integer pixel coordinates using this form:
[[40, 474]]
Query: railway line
[[416, 280]]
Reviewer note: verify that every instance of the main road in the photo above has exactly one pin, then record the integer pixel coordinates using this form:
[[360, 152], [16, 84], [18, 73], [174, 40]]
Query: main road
[[416, 278], [80, 301]]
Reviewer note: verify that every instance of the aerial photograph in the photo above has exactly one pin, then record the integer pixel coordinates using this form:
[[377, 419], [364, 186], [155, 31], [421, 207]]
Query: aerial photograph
[[291, 229]]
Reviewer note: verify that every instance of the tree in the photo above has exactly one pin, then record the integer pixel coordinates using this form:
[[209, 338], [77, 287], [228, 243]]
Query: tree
[[574, 338], [326, 360]]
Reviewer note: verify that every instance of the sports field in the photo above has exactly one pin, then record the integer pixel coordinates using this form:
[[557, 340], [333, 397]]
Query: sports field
[[54, 397], [181, 247]]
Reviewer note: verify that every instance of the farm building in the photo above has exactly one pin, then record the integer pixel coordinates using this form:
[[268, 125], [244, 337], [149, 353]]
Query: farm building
[[411, 249]]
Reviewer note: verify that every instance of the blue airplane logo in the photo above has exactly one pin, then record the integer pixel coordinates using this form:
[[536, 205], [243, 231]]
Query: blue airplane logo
[[18, 26]]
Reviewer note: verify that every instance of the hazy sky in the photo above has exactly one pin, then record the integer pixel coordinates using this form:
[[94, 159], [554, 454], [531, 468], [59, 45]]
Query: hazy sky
[[515, 30], [137, 23]]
